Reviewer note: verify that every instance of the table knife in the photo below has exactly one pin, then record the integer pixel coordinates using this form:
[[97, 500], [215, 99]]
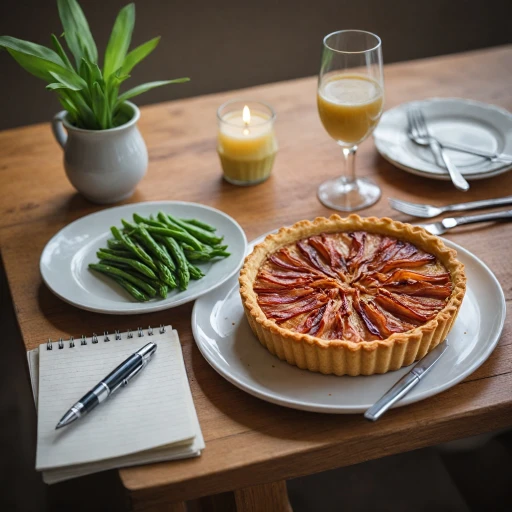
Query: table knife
[[406, 383]]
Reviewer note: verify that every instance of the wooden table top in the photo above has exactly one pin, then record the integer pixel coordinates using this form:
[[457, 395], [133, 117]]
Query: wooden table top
[[249, 441]]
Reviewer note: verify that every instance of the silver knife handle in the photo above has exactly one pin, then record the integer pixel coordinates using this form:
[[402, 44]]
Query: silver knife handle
[[478, 152], [470, 219], [457, 179], [475, 205], [400, 389]]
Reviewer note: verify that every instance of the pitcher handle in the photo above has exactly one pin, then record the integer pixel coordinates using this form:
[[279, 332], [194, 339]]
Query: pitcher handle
[[58, 130]]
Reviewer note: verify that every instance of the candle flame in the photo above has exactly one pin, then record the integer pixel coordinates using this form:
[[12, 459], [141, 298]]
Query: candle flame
[[246, 115]]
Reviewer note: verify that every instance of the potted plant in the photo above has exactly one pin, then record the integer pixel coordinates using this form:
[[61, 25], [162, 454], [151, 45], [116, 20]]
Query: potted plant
[[104, 154]]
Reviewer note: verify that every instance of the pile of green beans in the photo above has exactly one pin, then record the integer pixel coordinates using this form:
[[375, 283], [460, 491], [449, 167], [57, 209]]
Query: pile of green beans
[[149, 257]]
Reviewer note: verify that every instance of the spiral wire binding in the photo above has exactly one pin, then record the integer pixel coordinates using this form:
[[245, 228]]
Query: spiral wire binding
[[94, 337]]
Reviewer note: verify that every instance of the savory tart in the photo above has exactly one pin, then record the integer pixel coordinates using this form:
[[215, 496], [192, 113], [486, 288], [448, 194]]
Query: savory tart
[[351, 296]]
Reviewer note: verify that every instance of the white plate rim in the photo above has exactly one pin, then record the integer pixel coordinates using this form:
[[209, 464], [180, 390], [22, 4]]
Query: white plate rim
[[150, 307], [379, 144], [309, 406]]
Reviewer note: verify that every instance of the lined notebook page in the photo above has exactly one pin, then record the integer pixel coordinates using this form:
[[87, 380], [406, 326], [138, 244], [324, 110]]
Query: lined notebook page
[[152, 411]]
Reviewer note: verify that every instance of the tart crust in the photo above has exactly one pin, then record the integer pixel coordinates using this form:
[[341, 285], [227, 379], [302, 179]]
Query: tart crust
[[341, 356]]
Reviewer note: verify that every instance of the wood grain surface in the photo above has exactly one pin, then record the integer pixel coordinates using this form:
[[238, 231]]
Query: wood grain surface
[[250, 442]]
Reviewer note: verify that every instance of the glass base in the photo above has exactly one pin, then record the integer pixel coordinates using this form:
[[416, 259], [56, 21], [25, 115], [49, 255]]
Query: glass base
[[344, 196]]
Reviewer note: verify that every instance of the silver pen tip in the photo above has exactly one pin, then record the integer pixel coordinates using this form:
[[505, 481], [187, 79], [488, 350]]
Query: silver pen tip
[[68, 418]]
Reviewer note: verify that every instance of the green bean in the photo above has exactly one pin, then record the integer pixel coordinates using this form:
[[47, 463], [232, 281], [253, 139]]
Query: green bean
[[192, 255], [163, 290], [132, 290], [195, 272], [143, 236], [129, 270], [181, 261], [202, 235], [164, 219], [109, 269], [165, 274], [135, 249], [199, 224], [164, 248], [117, 245], [137, 265], [116, 252], [178, 234], [128, 226], [150, 222]]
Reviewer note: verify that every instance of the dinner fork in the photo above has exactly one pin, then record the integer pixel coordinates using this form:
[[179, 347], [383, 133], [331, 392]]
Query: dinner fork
[[417, 128], [428, 211], [439, 228]]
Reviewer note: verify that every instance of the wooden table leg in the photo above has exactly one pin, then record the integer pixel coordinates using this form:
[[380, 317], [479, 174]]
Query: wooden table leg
[[263, 498]]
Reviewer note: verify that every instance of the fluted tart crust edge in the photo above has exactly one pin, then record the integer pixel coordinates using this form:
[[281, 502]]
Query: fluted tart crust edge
[[344, 357]]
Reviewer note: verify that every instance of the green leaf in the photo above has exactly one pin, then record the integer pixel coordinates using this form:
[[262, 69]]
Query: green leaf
[[146, 87], [69, 107], [72, 82], [99, 105], [42, 68], [76, 31], [58, 85], [119, 41], [138, 54], [61, 53], [31, 49], [85, 71], [90, 72]]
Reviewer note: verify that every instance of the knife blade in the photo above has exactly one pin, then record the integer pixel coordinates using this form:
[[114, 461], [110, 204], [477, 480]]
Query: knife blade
[[406, 383]]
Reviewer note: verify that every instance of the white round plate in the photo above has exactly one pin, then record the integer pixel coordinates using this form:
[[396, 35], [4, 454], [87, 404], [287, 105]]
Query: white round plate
[[65, 259], [225, 339], [456, 120]]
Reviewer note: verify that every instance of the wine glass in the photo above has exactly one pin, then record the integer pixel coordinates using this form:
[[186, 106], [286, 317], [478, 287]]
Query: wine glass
[[350, 99]]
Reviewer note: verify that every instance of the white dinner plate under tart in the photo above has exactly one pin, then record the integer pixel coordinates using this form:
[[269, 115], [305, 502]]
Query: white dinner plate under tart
[[456, 120], [65, 259], [225, 339]]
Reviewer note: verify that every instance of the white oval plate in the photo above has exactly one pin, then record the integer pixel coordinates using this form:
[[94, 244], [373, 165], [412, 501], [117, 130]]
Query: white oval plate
[[225, 339], [455, 120], [66, 256]]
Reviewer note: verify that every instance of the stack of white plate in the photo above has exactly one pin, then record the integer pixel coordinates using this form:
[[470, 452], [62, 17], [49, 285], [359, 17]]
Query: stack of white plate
[[454, 120]]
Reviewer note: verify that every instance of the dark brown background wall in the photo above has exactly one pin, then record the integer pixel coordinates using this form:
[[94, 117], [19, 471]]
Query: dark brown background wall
[[227, 44]]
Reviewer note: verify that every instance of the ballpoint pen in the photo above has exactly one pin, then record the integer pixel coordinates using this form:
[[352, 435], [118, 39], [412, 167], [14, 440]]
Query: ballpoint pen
[[107, 386]]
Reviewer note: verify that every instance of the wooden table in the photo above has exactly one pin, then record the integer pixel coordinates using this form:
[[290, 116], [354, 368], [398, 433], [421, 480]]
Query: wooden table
[[250, 442]]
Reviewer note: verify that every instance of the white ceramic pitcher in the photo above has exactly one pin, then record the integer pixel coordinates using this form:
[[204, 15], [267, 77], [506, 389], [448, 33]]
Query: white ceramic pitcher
[[103, 165]]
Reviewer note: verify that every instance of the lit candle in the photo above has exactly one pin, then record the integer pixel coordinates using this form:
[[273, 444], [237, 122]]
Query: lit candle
[[247, 144]]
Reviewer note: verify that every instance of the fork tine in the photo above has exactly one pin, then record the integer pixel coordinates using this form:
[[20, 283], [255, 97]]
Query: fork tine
[[420, 126], [407, 207], [414, 209], [411, 122]]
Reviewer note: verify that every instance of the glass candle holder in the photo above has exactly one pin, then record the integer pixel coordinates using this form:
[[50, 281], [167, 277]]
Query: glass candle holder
[[246, 143]]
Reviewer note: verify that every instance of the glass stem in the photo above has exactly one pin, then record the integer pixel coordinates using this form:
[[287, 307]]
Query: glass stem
[[349, 174]]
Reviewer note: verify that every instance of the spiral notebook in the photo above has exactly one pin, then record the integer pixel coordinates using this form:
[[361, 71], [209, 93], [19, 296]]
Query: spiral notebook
[[152, 419]]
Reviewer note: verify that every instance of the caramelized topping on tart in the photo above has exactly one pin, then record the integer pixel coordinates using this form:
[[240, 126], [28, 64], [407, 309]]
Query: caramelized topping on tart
[[357, 286]]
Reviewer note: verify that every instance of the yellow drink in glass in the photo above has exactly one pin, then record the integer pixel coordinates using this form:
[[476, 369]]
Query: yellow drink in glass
[[350, 106]]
